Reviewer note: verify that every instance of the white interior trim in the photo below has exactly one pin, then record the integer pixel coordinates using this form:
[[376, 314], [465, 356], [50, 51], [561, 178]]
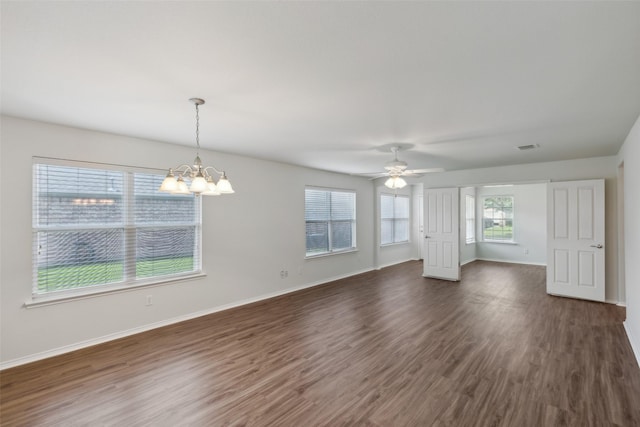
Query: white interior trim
[[100, 290], [500, 183], [389, 264], [544, 264], [622, 293]]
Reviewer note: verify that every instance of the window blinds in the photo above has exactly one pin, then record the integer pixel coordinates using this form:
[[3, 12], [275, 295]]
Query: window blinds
[[394, 219], [470, 217], [330, 217], [97, 227], [167, 229]]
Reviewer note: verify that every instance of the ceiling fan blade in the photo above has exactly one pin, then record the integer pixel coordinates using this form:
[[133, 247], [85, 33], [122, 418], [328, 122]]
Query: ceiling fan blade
[[373, 175], [418, 171], [397, 167]]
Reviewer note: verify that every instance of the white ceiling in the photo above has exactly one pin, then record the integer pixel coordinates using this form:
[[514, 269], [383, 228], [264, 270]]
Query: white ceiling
[[331, 85]]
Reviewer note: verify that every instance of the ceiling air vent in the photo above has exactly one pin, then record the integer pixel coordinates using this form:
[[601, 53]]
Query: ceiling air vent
[[527, 147]]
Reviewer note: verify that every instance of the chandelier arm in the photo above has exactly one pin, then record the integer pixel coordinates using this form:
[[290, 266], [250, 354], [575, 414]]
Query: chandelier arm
[[216, 170], [183, 169]]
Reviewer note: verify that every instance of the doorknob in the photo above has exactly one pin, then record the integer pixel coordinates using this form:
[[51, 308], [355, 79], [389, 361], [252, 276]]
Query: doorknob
[[599, 246], [427, 237]]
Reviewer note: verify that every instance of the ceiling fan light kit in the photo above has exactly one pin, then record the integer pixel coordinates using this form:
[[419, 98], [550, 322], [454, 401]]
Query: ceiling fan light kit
[[395, 168], [202, 182], [395, 182]]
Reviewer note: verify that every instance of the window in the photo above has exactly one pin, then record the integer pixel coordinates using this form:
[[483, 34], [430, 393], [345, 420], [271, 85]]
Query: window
[[394, 219], [470, 217], [330, 217], [98, 227], [497, 218]]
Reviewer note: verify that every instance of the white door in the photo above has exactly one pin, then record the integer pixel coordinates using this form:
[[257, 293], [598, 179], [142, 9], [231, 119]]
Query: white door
[[575, 239], [441, 230]]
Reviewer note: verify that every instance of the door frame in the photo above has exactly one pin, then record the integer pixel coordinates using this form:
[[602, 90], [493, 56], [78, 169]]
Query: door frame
[[622, 289]]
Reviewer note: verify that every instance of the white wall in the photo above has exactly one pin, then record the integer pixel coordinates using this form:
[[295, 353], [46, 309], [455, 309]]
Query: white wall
[[631, 154], [467, 250], [567, 170], [530, 225], [247, 237], [398, 252]]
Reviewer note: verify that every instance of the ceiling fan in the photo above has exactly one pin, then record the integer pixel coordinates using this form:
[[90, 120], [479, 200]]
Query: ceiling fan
[[396, 169]]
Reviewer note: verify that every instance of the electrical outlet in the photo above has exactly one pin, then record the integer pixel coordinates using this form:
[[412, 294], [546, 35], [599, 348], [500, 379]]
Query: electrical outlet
[[149, 300], [284, 273], [526, 251]]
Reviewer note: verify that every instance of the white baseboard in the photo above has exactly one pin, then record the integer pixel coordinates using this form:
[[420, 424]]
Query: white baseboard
[[380, 267], [615, 302], [110, 337], [635, 344], [544, 264], [468, 261]]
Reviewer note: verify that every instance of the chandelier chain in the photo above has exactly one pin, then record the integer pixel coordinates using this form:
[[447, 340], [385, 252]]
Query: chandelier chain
[[197, 128]]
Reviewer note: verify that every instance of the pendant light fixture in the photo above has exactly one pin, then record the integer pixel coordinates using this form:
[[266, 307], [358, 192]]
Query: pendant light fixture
[[200, 177]]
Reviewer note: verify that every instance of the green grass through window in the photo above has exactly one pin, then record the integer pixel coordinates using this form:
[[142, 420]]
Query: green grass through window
[[79, 276], [498, 233]]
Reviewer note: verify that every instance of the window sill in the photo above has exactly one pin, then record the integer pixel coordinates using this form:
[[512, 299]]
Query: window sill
[[470, 243], [347, 251], [500, 242], [74, 295], [385, 245]]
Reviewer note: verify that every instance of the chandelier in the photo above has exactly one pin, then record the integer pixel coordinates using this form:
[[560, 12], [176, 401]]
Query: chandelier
[[200, 177]]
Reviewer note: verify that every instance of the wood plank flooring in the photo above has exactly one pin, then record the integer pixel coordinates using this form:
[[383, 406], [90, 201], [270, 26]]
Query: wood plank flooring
[[385, 348]]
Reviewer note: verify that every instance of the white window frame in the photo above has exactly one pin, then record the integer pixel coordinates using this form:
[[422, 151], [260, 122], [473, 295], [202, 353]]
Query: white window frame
[[470, 219], [395, 219], [128, 282], [329, 222], [513, 219]]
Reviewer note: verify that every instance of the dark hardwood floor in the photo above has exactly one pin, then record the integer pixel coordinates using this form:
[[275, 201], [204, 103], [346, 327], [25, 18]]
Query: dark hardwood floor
[[385, 348]]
